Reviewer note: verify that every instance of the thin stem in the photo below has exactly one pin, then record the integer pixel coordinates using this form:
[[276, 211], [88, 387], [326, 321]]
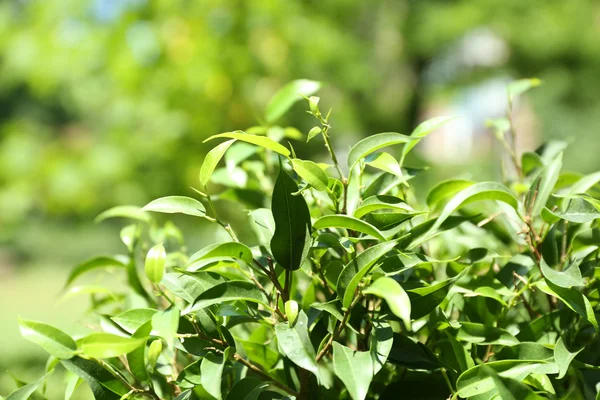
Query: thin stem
[[447, 379]]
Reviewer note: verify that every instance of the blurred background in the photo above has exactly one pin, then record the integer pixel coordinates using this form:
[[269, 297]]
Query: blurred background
[[107, 102]]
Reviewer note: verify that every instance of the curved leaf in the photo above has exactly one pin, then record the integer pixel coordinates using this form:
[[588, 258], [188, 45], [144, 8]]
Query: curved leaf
[[311, 173], [132, 212], [383, 202], [385, 162], [521, 86], [573, 299], [424, 129], [24, 392], [212, 159], [563, 357], [224, 250], [177, 204], [134, 318], [373, 143], [53, 340], [351, 223], [107, 345], [542, 187], [295, 343], [291, 242], [354, 368], [103, 384], [445, 189], [287, 96], [211, 371], [425, 299], [95, 263], [189, 286], [261, 141], [473, 332], [229, 291], [566, 279], [395, 297]]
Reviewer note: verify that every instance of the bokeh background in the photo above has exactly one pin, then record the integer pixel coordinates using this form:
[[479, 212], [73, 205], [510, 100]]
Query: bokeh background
[[107, 102]]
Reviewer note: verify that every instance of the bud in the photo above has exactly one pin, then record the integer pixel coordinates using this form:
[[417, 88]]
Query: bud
[[291, 311], [155, 263], [313, 102], [154, 352]]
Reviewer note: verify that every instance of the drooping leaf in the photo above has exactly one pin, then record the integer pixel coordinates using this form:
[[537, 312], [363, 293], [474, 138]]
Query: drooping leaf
[[311, 173], [373, 143], [212, 159], [155, 263], [154, 351], [578, 210], [351, 223], [356, 269], [247, 389], [422, 130], [107, 345], [261, 141], [132, 212], [380, 344], [190, 285], [228, 291], [354, 368], [572, 298], [24, 392], [295, 343], [211, 371], [177, 204], [566, 279], [51, 339], [412, 354], [291, 241], [395, 297], [72, 384], [287, 96]]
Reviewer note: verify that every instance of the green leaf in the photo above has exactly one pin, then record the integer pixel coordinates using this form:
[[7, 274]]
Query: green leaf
[[412, 354], [224, 250], [425, 299], [261, 141], [189, 286], [131, 320], [476, 381], [395, 297], [107, 345], [212, 159], [566, 279], [24, 392], [132, 212], [354, 368], [51, 339], [424, 129], [291, 242], [446, 189], [584, 184], [295, 343], [542, 187], [103, 384], [165, 324], [285, 98], [291, 311], [383, 202], [380, 344], [228, 291], [211, 371], [155, 263], [385, 162], [351, 223], [177, 204], [92, 264], [356, 269], [563, 357], [473, 332], [511, 389], [311, 173], [578, 210], [72, 384], [154, 351], [521, 86], [373, 143], [573, 299], [314, 131], [248, 388], [476, 192]]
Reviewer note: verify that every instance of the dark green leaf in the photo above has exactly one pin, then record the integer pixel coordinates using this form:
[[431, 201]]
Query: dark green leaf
[[103, 384], [566, 279], [190, 285], [573, 298]]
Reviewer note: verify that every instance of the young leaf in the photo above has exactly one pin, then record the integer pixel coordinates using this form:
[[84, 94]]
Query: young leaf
[[94, 263], [155, 263], [520, 86], [177, 204], [385, 162], [295, 343], [228, 291], [212, 159], [314, 131], [445, 189], [132, 212], [291, 241], [132, 319], [311, 173], [354, 368], [424, 129], [106, 345], [351, 223], [396, 298], [373, 143], [287, 96], [154, 351], [261, 141], [356, 269], [51, 339], [24, 392], [542, 187], [383, 202]]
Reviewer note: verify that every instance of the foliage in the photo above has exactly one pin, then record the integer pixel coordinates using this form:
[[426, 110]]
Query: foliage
[[351, 287]]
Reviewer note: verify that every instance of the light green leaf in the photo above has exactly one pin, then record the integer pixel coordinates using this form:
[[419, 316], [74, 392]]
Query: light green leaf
[[154, 351], [261, 141], [511, 389], [476, 192], [190, 285], [354, 368], [385, 162], [92, 264], [572, 298], [295, 343], [155, 263], [131, 320], [311, 173], [577, 210], [211, 371], [291, 242], [584, 184], [72, 383], [395, 297], [383, 202], [424, 129], [380, 344], [106, 345], [212, 159], [165, 324], [229, 291], [287, 96], [53, 340], [291, 311], [473, 332], [177, 204], [314, 131], [563, 357], [356, 269], [446, 189], [351, 223], [373, 143], [224, 250], [24, 392], [132, 212], [566, 279], [542, 187], [521, 86]]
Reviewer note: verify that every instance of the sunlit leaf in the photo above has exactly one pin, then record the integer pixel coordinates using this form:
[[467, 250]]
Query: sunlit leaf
[[351, 223], [53, 340], [373, 143], [228, 291], [155, 263], [354, 368], [212, 159], [285, 98], [106, 345], [295, 343], [261, 141], [311, 173], [395, 297], [131, 212], [177, 204]]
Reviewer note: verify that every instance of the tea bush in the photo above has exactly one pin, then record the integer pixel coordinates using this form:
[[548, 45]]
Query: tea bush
[[350, 287]]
